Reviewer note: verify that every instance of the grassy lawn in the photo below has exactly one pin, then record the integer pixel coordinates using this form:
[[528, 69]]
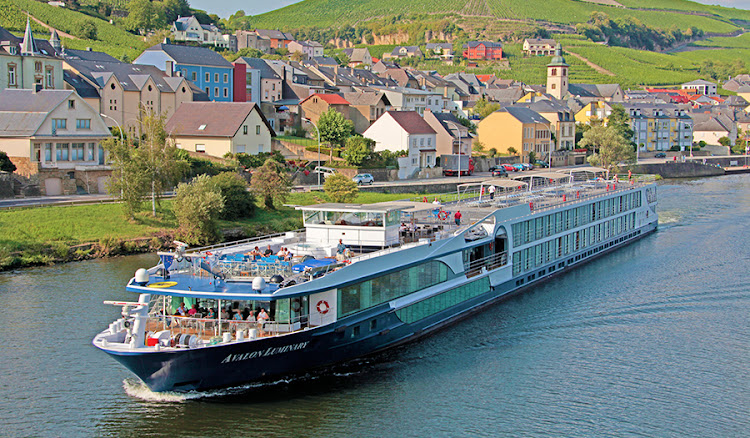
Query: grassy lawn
[[35, 228]]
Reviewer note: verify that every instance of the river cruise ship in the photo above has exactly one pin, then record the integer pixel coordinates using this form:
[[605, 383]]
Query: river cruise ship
[[225, 315]]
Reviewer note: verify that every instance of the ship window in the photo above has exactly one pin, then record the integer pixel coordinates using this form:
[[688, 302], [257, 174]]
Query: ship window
[[355, 331], [366, 294], [373, 324], [444, 300]]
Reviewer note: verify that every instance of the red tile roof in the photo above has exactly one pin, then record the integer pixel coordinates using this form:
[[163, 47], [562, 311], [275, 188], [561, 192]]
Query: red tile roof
[[331, 99], [412, 122]]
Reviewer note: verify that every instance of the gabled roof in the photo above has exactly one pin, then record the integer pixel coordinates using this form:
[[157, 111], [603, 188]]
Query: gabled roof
[[699, 82], [329, 98], [445, 120], [547, 41], [89, 55], [472, 44], [411, 122], [443, 46], [266, 71], [274, 34], [23, 111], [593, 90], [366, 98], [132, 77], [43, 47], [191, 55], [325, 60], [524, 115], [218, 119]]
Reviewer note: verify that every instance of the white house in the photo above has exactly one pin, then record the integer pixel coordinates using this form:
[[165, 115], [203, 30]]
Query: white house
[[405, 130], [189, 29], [701, 87]]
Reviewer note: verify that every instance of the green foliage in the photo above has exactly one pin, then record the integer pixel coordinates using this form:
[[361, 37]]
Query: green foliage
[[253, 161], [5, 164], [87, 30], [334, 128], [247, 52], [197, 206], [725, 141], [610, 146], [620, 121], [358, 150], [201, 166], [484, 108], [468, 124], [340, 188], [512, 151], [238, 201], [631, 32], [145, 15], [270, 184]]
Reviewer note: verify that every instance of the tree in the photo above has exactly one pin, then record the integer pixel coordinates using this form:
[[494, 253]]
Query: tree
[[611, 147], [334, 128], [478, 147], [174, 9], [197, 206], [238, 201], [512, 151], [620, 120], [270, 184], [358, 150], [5, 164], [87, 29], [725, 141], [150, 168], [532, 157], [468, 124], [144, 16], [158, 155], [484, 108], [247, 52], [340, 188]]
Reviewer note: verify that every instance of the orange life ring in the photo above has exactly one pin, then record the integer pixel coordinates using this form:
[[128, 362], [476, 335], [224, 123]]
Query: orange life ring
[[323, 307], [443, 215]]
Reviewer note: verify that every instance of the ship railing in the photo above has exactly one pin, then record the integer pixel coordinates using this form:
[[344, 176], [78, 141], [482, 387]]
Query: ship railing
[[285, 238], [492, 261], [209, 329]]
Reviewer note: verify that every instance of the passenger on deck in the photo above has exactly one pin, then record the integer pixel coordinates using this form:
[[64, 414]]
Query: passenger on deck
[[457, 217], [251, 316], [211, 313], [341, 251], [288, 256], [282, 253], [181, 311], [261, 318], [255, 253], [268, 251], [492, 192], [193, 310], [436, 202], [224, 314]]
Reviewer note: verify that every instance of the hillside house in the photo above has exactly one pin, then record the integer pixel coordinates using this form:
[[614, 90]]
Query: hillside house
[[277, 38], [54, 139], [539, 46], [405, 130], [216, 128], [189, 29], [451, 136], [700, 86], [358, 57], [365, 108], [523, 129], [315, 105], [200, 65], [309, 49], [483, 50]]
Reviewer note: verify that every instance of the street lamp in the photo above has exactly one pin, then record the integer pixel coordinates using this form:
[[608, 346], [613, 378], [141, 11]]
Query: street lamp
[[318, 131], [459, 148]]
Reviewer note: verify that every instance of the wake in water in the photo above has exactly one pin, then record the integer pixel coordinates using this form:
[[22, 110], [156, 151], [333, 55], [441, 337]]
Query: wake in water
[[137, 389]]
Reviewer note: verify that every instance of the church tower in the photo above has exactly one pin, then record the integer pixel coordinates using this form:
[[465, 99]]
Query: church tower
[[28, 46], [557, 75]]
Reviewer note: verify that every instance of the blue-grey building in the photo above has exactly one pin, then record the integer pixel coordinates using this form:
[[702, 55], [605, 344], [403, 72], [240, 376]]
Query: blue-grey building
[[204, 67]]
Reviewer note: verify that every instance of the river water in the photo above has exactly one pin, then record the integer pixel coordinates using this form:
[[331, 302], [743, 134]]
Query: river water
[[651, 340]]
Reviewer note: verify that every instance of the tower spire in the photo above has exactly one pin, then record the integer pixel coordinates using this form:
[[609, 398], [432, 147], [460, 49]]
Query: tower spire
[[28, 46], [54, 41]]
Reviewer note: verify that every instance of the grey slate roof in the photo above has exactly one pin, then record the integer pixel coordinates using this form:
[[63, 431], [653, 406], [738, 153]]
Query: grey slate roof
[[43, 46], [192, 55], [445, 119], [266, 72], [524, 115], [367, 98], [89, 55], [23, 111], [274, 34], [132, 77], [82, 87], [486, 44]]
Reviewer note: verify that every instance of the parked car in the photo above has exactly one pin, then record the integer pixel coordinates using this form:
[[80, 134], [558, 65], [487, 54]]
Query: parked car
[[660, 155], [326, 171], [509, 168], [363, 178], [527, 166], [543, 164], [498, 171], [519, 167]]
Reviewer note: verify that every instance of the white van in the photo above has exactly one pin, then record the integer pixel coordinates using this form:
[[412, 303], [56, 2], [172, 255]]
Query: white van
[[326, 171]]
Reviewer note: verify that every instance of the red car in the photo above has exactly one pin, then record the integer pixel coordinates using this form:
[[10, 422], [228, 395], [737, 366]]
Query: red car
[[509, 168]]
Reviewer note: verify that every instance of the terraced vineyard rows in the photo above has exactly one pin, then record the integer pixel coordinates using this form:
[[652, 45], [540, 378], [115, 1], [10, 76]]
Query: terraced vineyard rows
[[14, 19]]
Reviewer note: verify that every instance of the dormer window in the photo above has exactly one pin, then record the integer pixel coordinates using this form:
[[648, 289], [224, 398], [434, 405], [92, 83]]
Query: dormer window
[[201, 127]]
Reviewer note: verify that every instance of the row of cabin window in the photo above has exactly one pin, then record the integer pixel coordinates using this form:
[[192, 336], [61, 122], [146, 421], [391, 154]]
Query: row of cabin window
[[445, 300], [553, 249], [62, 124], [366, 294], [216, 92], [194, 77], [554, 223]]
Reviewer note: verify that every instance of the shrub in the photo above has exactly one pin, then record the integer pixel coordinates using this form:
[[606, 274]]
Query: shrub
[[358, 150], [197, 205], [238, 201], [5, 164], [270, 184], [340, 188]]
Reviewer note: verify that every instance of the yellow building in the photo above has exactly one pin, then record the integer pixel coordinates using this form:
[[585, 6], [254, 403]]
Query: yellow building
[[523, 129], [216, 128], [599, 110]]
